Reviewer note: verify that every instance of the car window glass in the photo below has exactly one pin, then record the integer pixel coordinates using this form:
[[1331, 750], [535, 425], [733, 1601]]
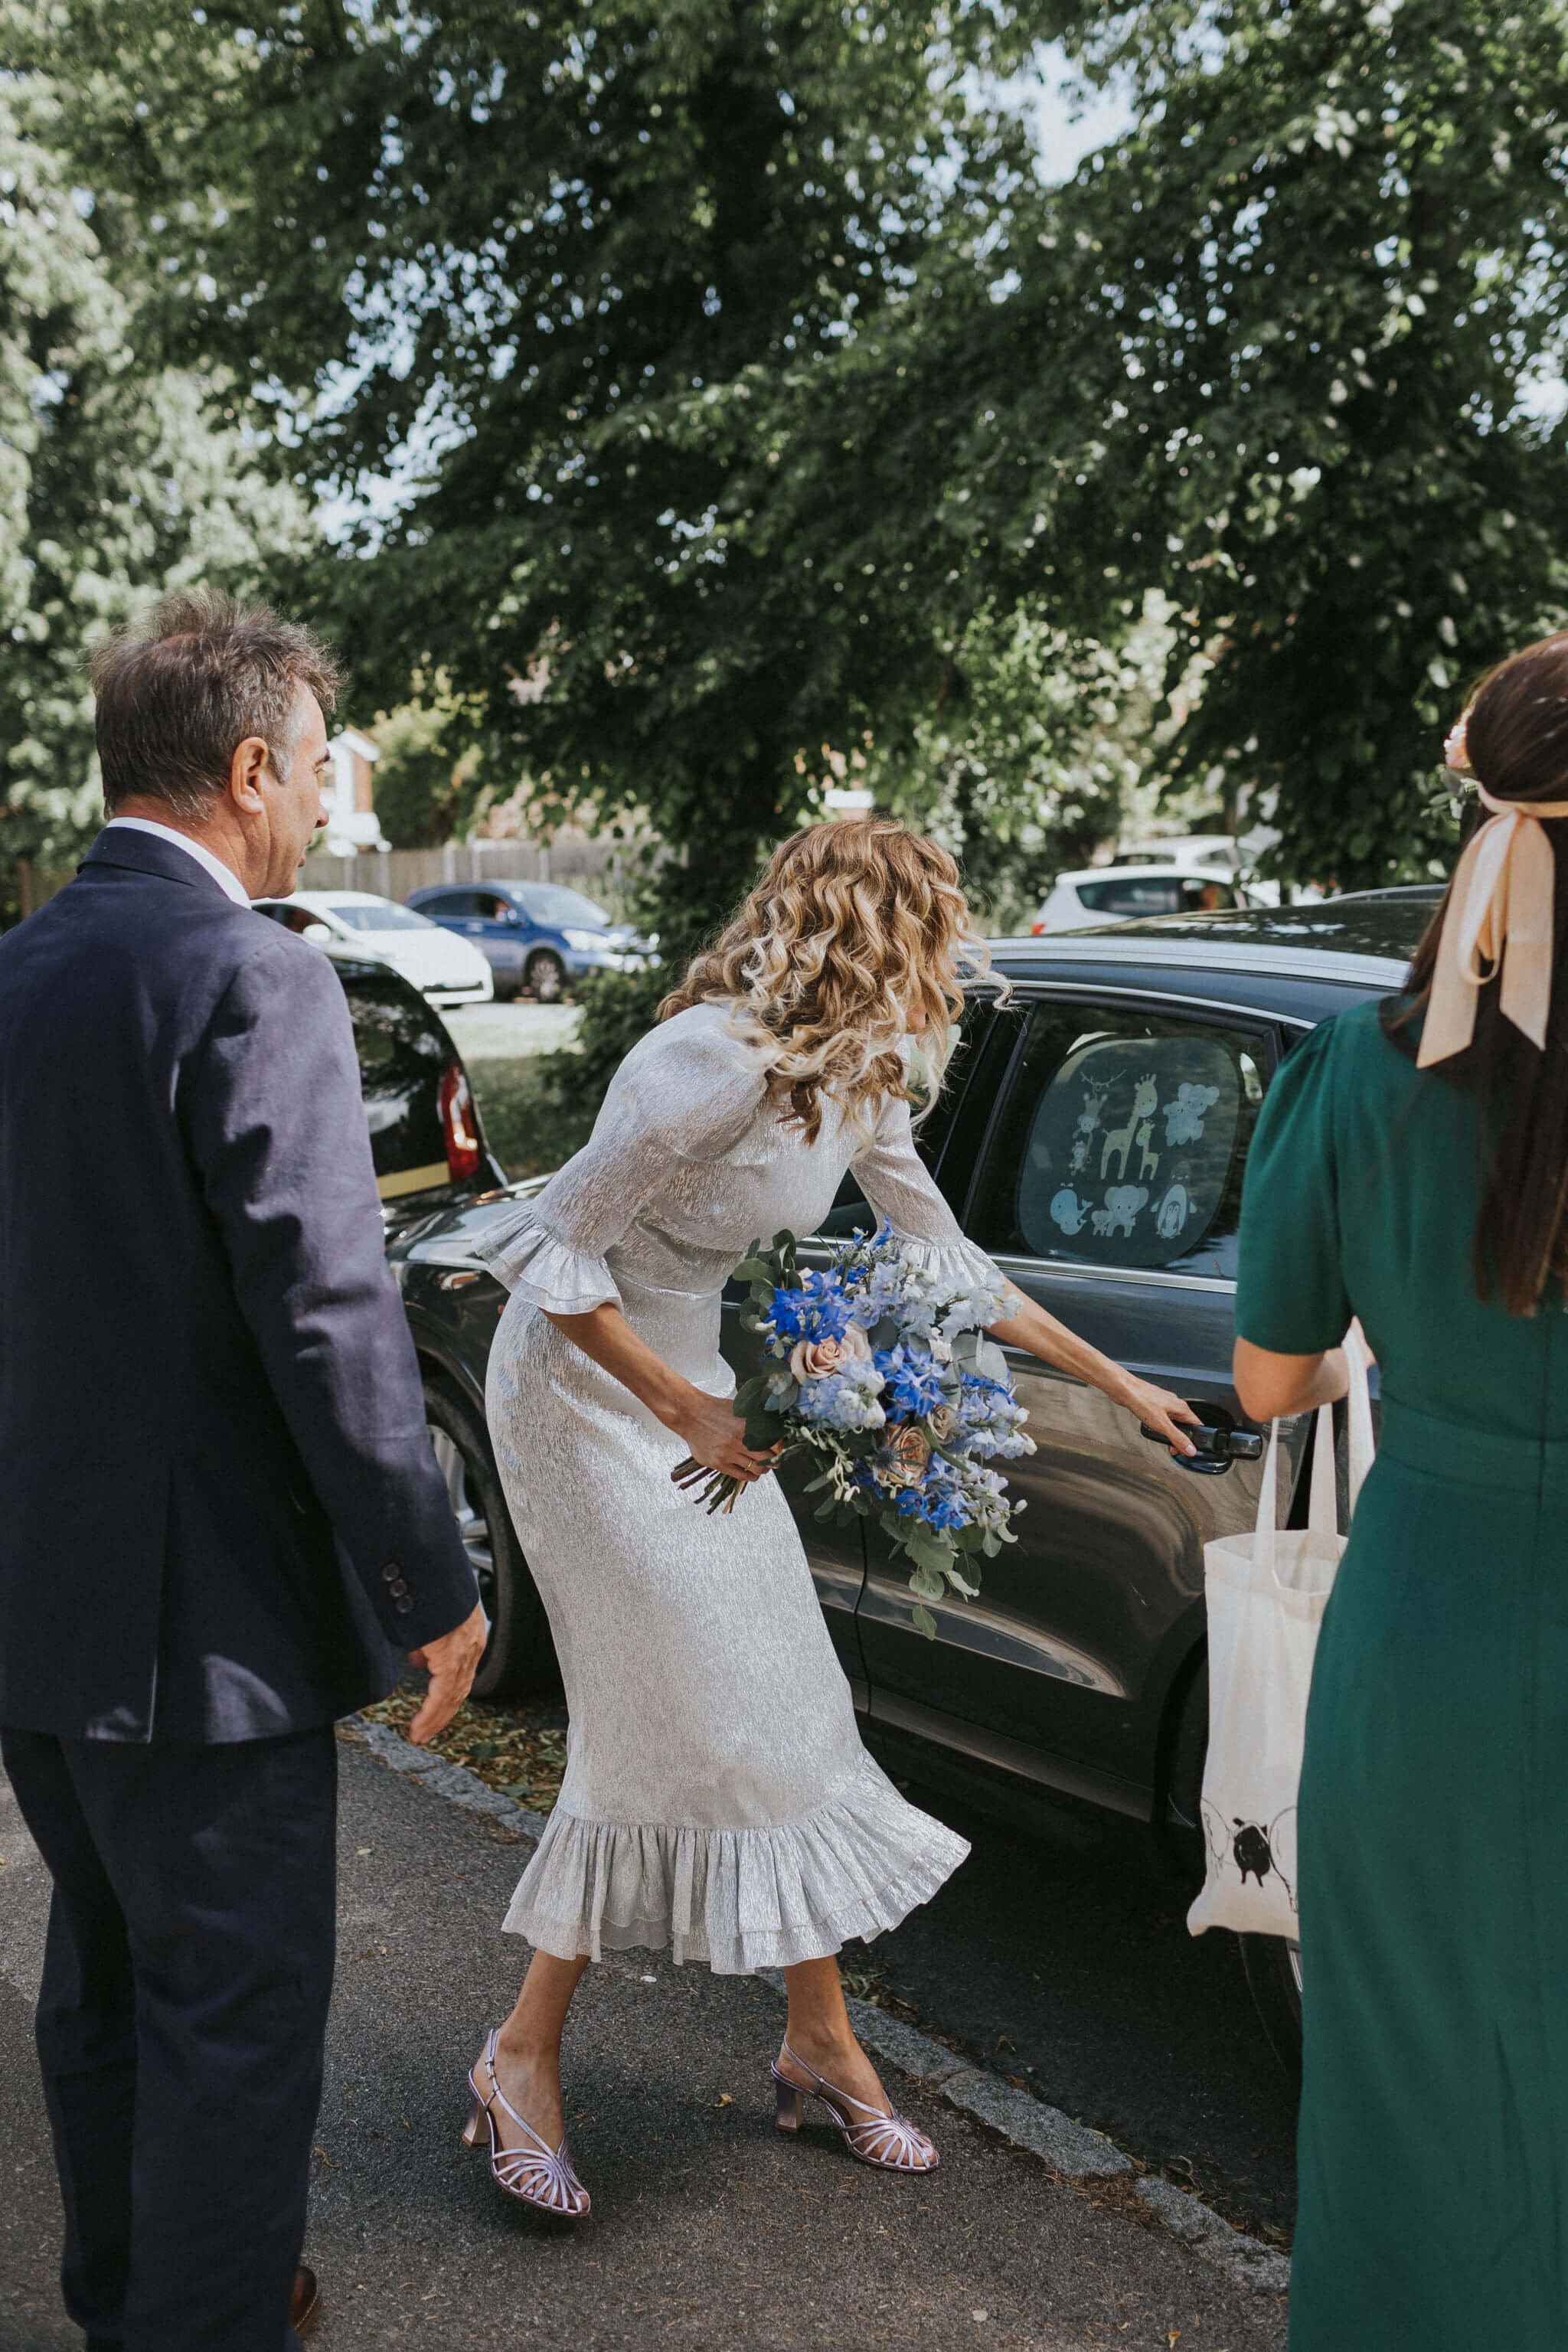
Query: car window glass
[[1162, 894], [851, 1212], [403, 1052], [448, 903], [1123, 1140], [380, 915], [551, 902]]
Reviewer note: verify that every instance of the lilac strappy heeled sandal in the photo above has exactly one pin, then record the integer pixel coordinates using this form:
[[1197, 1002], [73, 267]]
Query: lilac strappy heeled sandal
[[535, 2174], [889, 2142]]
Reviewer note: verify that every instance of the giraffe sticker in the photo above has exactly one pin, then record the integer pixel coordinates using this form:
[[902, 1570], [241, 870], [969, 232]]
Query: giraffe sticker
[[1119, 1140]]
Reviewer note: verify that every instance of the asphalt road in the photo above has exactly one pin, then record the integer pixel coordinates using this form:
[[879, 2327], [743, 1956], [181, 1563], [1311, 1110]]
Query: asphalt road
[[1062, 1956], [710, 2230]]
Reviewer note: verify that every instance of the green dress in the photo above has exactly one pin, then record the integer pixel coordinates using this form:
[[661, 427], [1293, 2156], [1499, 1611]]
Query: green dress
[[1434, 1805]]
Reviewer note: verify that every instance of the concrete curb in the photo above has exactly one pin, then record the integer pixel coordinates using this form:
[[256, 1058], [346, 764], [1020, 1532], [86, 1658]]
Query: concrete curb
[[1070, 2150]]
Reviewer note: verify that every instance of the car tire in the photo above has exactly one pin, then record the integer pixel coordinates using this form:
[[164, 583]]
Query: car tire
[[1274, 1979], [544, 977], [518, 1656]]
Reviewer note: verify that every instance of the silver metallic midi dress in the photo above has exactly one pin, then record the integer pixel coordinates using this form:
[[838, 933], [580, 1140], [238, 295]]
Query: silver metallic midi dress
[[717, 1796]]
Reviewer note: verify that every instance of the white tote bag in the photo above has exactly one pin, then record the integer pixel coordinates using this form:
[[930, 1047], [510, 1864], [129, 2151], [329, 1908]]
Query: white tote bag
[[1267, 1593]]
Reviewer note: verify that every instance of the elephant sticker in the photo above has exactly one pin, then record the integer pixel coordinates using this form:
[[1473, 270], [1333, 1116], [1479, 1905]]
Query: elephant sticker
[[1185, 1118], [1067, 1211], [1123, 1204], [1119, 1140]]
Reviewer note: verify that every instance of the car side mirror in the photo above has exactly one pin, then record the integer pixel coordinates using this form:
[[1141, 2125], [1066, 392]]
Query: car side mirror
[[319, 932]]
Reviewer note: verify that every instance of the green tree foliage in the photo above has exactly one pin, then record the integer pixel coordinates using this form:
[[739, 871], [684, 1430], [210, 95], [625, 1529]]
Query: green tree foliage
[[575, 260], [425, 776], [1291, 351], [116, 482]]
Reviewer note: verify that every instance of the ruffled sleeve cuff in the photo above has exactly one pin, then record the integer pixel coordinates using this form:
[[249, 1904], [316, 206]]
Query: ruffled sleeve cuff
[[525, 1255], [958, 1265]]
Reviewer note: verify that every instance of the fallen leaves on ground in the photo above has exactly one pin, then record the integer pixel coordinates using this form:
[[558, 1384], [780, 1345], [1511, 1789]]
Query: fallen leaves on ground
[[518, 1751]]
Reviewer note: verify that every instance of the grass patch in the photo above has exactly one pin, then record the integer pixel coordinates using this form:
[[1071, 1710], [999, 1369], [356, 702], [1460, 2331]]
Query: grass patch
[[534, 1117]]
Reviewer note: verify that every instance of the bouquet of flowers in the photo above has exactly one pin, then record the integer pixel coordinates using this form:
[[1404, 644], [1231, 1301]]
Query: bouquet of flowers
[[877, 1371]]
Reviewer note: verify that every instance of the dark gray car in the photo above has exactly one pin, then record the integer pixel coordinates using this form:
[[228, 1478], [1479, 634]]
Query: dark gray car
[[1093, 1138]]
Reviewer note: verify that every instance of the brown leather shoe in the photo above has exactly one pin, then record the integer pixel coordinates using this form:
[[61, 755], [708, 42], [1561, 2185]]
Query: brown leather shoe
[[305, 2303]]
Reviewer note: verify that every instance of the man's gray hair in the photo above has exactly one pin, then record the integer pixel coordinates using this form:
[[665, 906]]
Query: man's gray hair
[[178, 694]]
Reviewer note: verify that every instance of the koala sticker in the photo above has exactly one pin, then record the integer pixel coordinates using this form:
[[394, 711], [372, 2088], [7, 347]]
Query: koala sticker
[[1184, 1116], [1067, 1211], [1123, 1204]]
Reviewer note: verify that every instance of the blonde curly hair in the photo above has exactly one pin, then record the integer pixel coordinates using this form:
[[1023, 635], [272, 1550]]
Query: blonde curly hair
[[858, 928]]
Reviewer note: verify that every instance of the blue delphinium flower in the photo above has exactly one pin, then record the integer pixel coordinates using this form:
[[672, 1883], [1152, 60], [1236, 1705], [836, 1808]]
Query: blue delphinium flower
[[818, 1309], [916, 1382]]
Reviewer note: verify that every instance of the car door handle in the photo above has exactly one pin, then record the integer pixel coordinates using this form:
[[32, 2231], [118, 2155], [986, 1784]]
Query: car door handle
[[1217, 1448]]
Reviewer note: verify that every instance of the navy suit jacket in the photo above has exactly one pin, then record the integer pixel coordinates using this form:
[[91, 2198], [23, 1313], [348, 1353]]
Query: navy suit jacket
[[220, 1517]]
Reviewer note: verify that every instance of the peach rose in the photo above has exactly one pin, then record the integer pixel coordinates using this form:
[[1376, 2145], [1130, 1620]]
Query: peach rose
[[813, 1359], [909, 1454], [942, 1422]]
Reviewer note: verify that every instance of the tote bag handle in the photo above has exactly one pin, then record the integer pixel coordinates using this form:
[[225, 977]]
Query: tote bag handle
[[1323, 1506]]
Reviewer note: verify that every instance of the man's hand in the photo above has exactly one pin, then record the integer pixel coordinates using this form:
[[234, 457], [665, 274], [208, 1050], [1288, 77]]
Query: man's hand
[[451, 1663]]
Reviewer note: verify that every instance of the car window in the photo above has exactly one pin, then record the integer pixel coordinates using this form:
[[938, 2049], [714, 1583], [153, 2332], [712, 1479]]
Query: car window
[[447, 904], [1122, 1140], [381, 915], [851, 1212], [293, 919], [1162, 894], [403, 1052], [549, 902]]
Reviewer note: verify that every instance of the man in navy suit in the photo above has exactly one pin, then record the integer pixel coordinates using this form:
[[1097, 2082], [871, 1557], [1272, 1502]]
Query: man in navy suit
[[220, 1517]]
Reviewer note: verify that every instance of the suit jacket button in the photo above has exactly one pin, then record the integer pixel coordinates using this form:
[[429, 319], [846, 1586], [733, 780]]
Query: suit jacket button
[[391, 1572], [403, 1602]]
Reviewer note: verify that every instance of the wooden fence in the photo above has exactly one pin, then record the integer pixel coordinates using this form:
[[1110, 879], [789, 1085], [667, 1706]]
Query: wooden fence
[[605, 870]]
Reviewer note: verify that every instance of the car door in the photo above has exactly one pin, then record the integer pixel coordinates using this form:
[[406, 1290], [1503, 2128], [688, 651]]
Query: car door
[[1108, 1185]]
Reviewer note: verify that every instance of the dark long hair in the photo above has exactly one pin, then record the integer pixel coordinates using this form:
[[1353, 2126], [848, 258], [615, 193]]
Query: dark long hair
[[1517, 743]]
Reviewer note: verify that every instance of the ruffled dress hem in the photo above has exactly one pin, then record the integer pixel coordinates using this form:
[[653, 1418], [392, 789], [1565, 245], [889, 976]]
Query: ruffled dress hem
[[738, 1899]]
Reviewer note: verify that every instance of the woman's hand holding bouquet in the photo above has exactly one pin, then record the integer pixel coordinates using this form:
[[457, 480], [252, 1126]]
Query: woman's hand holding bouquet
[[877, 1371]]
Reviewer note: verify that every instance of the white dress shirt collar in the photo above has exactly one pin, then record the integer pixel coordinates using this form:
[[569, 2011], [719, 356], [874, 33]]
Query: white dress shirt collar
[[222, 875]]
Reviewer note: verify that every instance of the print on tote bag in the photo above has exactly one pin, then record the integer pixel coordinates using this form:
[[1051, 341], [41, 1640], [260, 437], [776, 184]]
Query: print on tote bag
[[1267, 1593]]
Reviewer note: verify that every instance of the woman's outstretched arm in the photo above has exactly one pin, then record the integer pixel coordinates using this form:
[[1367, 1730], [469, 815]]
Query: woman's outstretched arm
[[707, 1425], [1027, 1326]]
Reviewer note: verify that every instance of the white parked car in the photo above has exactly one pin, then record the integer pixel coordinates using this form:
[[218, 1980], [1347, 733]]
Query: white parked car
[[444, 969], [1119, 894]]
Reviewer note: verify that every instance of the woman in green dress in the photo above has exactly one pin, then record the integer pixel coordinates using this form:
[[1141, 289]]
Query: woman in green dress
[[1411, 1168]]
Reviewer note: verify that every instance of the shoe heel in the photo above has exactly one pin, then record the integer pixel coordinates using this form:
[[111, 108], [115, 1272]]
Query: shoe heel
[[473, 2130], [790, 2112]]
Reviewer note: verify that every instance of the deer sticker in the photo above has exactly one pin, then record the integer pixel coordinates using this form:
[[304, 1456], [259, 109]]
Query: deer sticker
[[1118, 1140], [1148, 1164]]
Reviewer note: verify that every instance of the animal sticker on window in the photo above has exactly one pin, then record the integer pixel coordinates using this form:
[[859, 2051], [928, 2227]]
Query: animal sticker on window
[[1122, 1203], [1067, 1211], [1094, 1095], [1185, 1118], [1149, 1163], [1119, 1140], [1175, 1207]]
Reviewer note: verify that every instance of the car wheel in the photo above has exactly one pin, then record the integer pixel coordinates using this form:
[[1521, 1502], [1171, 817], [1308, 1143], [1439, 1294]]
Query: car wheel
[[518, 1656], [545, 977], [1274, 1979]]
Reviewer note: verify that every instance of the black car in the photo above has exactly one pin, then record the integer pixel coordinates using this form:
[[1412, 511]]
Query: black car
[[1093, 1137]]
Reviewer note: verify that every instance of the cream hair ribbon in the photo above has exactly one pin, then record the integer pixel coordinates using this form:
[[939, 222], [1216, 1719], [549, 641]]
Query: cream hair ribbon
[[1499, 917]]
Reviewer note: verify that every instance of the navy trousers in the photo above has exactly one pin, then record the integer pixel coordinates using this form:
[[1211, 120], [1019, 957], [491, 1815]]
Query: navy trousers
[[180, 2025]]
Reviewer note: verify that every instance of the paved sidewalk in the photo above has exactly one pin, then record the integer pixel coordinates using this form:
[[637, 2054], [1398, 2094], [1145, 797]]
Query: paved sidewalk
[[710, 2232]]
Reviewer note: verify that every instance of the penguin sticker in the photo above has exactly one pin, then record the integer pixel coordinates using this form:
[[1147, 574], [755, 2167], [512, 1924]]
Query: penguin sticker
[[1175, 1205]]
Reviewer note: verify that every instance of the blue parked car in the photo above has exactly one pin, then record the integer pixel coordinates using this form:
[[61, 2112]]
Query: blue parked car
[[534, 935]]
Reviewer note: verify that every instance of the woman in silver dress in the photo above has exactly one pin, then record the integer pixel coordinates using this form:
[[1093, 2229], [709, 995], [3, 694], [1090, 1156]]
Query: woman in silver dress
[[717, 1797]]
